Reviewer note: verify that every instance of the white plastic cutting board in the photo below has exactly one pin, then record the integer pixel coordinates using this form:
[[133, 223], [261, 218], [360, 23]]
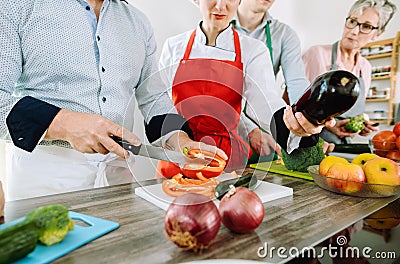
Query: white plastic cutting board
[[265, 190]]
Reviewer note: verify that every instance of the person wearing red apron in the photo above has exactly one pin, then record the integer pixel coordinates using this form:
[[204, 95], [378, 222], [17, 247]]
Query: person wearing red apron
[[211, 71], [208, 93]]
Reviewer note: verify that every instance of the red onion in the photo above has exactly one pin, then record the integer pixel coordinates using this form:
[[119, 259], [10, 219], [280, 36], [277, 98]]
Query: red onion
[[241, 210], [192, 221]]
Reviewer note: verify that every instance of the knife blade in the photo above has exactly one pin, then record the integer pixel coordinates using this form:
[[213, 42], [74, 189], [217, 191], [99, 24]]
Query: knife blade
[[352, 148], [159, 153]]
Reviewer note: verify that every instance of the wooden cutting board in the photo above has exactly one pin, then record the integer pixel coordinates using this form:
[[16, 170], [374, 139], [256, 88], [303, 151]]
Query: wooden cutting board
[[272, 166], [82, 234]]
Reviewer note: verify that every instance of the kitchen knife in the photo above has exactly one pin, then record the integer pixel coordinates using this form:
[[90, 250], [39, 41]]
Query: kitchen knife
[[159, 153], [352, 148]]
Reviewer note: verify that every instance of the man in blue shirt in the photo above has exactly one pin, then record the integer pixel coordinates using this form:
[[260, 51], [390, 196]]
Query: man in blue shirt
[[68, 72]]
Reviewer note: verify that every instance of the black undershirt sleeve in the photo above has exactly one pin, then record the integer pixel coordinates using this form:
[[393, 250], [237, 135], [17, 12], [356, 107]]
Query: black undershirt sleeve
[[281, 133], [28, 120], [163, 124]]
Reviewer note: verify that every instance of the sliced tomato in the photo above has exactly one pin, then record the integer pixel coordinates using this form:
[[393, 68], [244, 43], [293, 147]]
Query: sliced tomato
[[213, 169]]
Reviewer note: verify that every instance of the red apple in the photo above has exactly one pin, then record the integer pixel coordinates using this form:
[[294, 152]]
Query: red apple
[[349, 177], [396, 129], [394, 155], [398, 143], [384, 140]]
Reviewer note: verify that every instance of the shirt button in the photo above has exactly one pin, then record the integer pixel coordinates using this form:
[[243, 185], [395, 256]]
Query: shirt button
[[104, 99], [21, 138], [87, 8], [102, 69], [98, 38]]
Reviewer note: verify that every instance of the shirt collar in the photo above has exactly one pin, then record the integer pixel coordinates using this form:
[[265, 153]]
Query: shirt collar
[[267, 19], [224, 39], [105, 2]]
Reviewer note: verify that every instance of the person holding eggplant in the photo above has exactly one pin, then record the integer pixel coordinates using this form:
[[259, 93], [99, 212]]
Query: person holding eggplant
[[211, 70], [253, 19], [365, 21]]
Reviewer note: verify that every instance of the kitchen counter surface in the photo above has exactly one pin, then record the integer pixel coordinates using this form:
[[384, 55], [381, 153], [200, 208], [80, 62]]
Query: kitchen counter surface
[[309, 217]]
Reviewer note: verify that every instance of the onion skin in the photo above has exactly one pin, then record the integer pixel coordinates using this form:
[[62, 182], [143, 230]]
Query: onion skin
[[241, 210], [192, 221]]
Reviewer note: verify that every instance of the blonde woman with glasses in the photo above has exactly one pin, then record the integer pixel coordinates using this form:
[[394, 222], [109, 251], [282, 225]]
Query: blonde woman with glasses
[[365, 22]]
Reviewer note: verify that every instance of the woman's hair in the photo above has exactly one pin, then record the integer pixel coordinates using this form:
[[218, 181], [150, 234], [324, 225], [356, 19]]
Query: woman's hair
[[384, 8]]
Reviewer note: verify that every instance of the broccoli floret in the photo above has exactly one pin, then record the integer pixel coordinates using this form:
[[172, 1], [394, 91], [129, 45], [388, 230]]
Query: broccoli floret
[[356, 123], [301, 158], [52, 223]]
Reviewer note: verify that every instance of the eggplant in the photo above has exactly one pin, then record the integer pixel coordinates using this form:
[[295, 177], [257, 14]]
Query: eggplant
[[223, 187]]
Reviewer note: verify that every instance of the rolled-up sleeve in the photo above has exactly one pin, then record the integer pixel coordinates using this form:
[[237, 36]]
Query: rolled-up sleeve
[[23, 120]]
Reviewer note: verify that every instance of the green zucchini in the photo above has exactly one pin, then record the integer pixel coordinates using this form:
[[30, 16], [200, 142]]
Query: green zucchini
[[244, 181], [17, 241]]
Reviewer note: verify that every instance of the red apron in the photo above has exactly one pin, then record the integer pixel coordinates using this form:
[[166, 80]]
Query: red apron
[[208, 93]]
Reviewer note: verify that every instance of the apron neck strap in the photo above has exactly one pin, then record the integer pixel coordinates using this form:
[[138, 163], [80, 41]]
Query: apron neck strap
[[269, 40], [189, 45], [334, 56], [235, 40], [334, 66]]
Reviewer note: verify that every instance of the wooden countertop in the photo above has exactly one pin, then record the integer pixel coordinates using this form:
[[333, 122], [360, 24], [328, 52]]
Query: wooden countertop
[[304, 220]]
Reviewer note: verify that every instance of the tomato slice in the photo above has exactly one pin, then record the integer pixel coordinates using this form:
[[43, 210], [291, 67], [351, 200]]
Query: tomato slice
[[213, 169]]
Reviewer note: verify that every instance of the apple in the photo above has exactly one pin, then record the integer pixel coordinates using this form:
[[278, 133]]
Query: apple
[[349, 177], [361, 159], [382, 171], [396, 129], [386, 218], [384, 140], [327, 162], [398, 142], [394, 155], [385, 223]]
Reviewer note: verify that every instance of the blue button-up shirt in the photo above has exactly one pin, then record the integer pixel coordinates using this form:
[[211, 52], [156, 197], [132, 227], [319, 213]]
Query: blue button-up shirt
[[56, 52]]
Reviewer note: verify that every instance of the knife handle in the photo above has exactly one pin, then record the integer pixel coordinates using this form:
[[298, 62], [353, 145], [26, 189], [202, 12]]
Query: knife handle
[[126, 145]]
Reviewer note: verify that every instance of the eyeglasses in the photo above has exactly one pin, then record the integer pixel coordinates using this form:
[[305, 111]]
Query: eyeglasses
[[365, 28]]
